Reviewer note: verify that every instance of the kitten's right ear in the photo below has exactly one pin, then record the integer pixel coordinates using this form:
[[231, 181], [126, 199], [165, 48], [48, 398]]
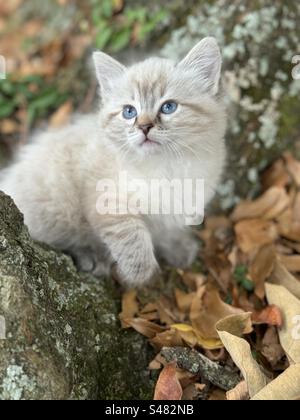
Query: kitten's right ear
[[205, 61], [107, 70]]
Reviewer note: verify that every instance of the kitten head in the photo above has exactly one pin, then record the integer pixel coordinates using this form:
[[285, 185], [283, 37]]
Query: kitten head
[[159, 107]]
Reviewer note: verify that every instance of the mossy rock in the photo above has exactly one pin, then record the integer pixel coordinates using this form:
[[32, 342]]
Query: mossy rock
[[63, 337], [258, 41]]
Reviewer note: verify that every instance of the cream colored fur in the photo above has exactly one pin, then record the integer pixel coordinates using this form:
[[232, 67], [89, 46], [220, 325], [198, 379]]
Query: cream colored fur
[[54, 178]]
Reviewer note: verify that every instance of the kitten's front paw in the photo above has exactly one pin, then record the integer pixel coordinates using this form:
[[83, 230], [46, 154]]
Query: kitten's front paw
[[137, 270]]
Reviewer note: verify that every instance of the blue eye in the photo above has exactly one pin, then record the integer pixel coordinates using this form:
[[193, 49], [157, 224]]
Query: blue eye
[[169, 107], [129, 112]]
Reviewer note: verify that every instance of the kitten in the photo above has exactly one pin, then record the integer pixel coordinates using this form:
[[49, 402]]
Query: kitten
[[157, 119]]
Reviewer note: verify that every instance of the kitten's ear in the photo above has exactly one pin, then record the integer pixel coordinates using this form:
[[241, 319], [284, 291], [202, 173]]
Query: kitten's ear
[[206, 61], [107, 70]]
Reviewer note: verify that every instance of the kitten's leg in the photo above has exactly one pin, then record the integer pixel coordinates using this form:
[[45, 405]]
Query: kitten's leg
[[178, 249], [130, 245], [92, 261]]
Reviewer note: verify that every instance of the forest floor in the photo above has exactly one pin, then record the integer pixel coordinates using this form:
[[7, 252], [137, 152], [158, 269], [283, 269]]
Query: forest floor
[[238, 310]]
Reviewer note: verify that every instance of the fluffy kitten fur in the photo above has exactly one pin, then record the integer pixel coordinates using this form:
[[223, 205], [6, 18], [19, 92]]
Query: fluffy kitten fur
[[54, 178]]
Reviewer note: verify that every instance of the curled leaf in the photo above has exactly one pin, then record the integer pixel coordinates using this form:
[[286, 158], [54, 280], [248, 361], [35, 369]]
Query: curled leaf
[[282, 277], [261, 268], [208, 309], [168, 387], [270, 205], [229, 331], [254, 234], [144, 327], [285, 387], [271, 316], [289, 305], [239, 393]]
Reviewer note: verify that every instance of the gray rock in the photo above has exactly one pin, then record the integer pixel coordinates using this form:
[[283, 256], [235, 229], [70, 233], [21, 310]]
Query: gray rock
[[63, 338]]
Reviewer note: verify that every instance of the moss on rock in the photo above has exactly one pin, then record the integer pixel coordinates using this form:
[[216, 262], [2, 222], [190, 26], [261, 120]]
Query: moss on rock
[[63, 338], [258, 40]]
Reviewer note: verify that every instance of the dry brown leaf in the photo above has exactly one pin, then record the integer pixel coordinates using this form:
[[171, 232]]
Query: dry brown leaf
[[158, 362], [282, 277], [240, 351], [149, 312], [291, 262], [293, 166], [184, 300], [149, 307], [8, 127], [285, 387], [239, 393], [220, 269], [144, 327], [261, 268], [254, 234], [270, 315], [216, 355], [271, 348], [62, 116], [166, 311], [192, 392], [206, 310], [287, 226], [217, 395], [118, 5], [150, 316], [276, 176], [8, 7], [270, 205], [154, 365], [168, 386], [296, 209], [238, 324], [169, 338], [185, 378], [130, 307], [192, 280], [289, 305], [214, 223]]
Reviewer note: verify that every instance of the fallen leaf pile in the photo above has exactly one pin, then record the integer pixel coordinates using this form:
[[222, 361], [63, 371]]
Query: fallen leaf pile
[[232, 329]]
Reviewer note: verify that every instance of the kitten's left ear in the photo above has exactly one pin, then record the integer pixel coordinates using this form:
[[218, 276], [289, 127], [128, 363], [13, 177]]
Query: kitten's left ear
[[107, 70], [206, 61]]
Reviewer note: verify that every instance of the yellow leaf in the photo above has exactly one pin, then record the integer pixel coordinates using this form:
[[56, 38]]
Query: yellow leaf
[[182, 327]]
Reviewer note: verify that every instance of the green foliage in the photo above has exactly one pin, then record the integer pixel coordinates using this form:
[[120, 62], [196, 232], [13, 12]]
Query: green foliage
[[114, 25], [115, 31], [32, 94], [241, 277]]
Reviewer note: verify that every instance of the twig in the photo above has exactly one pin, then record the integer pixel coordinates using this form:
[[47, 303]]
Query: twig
[[196, 363]]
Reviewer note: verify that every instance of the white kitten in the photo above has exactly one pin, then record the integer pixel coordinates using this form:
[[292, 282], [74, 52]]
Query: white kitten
[[158, 119]]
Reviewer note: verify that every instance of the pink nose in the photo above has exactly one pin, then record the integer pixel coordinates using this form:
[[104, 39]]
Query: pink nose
[[146, 128]]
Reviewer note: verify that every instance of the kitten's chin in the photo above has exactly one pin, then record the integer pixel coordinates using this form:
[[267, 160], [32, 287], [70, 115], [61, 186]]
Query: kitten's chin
[[149, 148]]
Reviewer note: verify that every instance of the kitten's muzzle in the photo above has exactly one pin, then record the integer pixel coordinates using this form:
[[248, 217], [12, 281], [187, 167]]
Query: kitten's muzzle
[[146, 128]]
